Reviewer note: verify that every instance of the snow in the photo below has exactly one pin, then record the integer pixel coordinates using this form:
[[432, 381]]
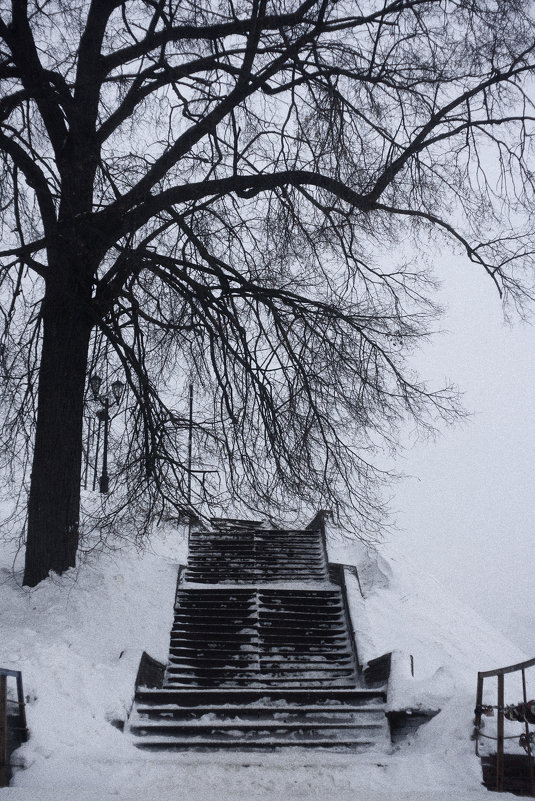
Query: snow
[[78, 640]]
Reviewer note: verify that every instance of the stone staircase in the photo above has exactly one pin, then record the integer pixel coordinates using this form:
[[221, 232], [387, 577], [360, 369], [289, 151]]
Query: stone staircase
[[262, 652], [263, 637]]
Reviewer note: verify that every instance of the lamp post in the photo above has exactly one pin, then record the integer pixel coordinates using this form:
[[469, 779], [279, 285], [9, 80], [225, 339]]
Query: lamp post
[[103, 415]]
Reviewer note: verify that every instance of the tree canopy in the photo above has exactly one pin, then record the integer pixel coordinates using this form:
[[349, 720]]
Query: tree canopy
[[221, 193]]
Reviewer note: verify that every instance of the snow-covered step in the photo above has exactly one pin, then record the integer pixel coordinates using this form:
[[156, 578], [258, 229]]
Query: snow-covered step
[[302, 672], [278, 696], [199, 726], [251, 743], [242, 576], [264, 682], [259, 670], [357, 713]]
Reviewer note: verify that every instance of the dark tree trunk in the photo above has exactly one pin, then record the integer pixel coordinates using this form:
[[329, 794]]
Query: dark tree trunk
[[54, 502]]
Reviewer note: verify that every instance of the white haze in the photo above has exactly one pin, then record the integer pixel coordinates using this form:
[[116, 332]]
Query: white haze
[[467, 514]]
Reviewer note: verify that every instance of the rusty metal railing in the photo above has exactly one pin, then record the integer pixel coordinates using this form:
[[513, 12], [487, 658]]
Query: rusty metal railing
[[500, 674]]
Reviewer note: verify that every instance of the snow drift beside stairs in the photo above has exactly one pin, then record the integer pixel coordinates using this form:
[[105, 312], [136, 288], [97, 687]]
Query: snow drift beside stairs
[[78, 639]]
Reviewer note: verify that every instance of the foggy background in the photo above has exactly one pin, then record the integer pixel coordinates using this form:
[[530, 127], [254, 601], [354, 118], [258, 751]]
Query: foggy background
[[466, 513]]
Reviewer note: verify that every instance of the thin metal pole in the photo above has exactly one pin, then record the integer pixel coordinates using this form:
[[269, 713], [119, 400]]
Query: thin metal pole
[[88, 449], [97, 448], [104, 479], [528, 741], [190, 457], [22, 707], [3, 731], [479, 701], [190, 441], [499, 754]]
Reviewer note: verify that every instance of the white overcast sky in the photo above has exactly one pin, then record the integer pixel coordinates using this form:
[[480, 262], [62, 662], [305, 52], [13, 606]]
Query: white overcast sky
[[467, 516]]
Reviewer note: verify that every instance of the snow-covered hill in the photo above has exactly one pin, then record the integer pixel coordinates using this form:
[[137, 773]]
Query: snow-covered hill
[[78, 640]]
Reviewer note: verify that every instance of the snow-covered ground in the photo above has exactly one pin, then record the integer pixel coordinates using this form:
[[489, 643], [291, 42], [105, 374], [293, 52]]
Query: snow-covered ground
[[78, 640]]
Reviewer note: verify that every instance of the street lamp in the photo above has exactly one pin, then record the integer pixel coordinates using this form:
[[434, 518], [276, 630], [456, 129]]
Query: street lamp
[[103, 415]]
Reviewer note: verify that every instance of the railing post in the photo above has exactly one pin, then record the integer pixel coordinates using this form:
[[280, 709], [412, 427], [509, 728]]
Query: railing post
[[479, 702], [528, 741], [3, 731], [22, 707], [499, 749]]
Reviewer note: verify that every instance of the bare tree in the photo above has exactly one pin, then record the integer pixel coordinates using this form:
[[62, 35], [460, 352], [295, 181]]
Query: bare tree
[[206, 191]]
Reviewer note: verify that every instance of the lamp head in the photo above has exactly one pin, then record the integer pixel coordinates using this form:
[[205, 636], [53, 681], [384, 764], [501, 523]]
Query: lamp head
[[117, 389], [94, 382]]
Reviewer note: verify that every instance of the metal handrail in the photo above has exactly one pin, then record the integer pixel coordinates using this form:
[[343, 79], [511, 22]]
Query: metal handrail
[[342, 583], [318, 523], [488, 674], [500, 706], [6, 673]]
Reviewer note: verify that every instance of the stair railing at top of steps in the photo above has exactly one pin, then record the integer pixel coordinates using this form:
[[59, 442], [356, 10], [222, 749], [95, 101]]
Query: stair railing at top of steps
[[21, 728], [337, 573], [318, 522], [500, 673]]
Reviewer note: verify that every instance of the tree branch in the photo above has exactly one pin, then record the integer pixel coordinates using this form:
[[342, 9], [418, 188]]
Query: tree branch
[[18, 36], [34, 178]]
